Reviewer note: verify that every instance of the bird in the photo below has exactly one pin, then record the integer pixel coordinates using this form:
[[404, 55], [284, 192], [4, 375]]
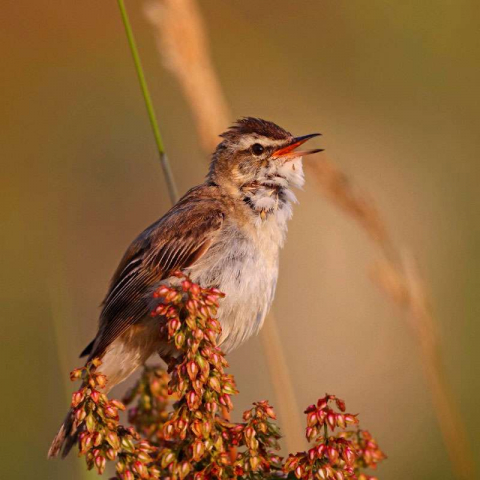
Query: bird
[[225, 233]]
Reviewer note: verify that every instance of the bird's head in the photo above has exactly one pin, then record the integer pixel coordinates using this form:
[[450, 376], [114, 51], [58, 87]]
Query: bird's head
[[258, 152]]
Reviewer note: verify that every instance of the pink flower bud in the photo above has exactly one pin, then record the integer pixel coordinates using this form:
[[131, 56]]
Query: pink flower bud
[[179, 340], [97, 439], [332, 453], [349, 455], [76, 374], [111, 411], [198, 450], [101, 380], [80, 415], [100, 463], [254, 463], [312, 419], [77, 397], [127, 444], [331, 420], [192, 400], [173, 326], [184, 469], [351, 419], [340, 420], [86, 442], [95, 396], [340, 404], [322, 403], [310, 432], [198, 334], [225, 401], [299, 471], [90, 423], [321, 450], [270, 412], [113, 440], [141, 469], [192, 370], [117, 404], [111, 454]]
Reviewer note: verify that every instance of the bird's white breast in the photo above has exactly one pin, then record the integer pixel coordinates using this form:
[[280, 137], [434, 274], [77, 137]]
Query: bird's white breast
[[243, 263]]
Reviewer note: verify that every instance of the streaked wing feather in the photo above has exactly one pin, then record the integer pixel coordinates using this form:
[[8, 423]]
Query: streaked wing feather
[[173, 243]]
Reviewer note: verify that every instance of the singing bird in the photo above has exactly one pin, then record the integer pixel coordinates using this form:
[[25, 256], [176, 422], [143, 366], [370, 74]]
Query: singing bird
[[225, 233]]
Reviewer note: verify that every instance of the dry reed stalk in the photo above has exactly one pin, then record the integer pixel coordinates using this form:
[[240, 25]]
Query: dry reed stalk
[[337, 187], [183, 46], [409, 291]]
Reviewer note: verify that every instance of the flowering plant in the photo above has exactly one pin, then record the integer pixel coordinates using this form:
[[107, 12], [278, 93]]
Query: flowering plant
[[193, 438]]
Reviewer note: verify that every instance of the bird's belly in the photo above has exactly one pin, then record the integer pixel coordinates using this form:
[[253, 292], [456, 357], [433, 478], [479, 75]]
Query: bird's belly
[[248, 278]]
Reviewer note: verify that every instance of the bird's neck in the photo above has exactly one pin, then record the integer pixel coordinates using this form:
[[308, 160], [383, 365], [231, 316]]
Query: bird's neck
[[269, 209]]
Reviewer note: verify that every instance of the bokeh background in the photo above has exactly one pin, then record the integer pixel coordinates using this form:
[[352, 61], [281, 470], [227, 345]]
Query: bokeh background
[[392, 85]]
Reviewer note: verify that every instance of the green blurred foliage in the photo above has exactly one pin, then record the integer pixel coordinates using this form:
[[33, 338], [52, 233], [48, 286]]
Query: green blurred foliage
[[393, 86]]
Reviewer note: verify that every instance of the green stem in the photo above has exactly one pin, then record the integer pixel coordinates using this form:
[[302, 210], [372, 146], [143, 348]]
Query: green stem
[[172, 189]]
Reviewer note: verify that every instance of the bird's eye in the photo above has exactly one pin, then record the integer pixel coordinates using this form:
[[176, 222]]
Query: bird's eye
[[257, 149]]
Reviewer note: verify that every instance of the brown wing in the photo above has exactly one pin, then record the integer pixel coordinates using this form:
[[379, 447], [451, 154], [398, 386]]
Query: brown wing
[[174, 242]]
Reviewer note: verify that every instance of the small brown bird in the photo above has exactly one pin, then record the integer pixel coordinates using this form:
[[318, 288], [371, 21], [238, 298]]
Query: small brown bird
[[225, 233]]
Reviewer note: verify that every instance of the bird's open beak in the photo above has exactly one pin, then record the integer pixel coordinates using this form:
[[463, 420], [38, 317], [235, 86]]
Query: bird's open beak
[[289, 153]]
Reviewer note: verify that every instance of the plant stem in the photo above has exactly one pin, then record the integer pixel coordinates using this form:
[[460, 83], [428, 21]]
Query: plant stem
[[172, 189]]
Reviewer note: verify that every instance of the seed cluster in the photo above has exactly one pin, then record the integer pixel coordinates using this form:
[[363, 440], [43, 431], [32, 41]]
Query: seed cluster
[[334, 456], [180, 427]]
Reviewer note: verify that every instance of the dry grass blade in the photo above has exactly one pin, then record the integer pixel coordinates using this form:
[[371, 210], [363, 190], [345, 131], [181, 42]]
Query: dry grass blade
[[182, 42], [183, 46]]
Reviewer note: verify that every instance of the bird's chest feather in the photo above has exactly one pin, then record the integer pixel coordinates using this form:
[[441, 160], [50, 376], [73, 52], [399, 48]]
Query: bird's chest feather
[[242, 263]]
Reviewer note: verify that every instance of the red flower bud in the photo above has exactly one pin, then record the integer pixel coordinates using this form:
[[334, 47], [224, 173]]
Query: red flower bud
[[331, 420], [140, 468], [198, 450], [332, 453], [76, 374], [95, 395], [101, 380], [113, 440], [100, 463], [192, 370], [77, 397], [351, 419], [117, 404], [299, 471], [111, 454]]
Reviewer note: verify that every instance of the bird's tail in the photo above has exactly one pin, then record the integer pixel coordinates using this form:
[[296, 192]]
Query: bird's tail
[[65, 438]]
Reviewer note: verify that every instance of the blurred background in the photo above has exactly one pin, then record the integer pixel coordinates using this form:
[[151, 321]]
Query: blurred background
[[393, 87]]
